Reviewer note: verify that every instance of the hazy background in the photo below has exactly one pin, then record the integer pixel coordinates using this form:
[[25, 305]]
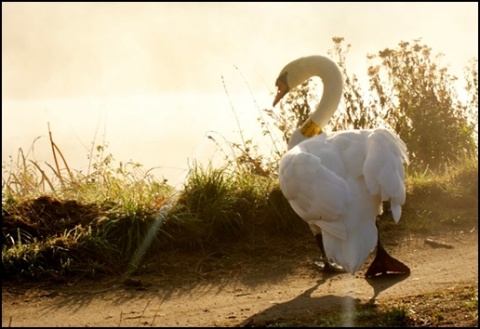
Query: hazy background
[[148, 78]]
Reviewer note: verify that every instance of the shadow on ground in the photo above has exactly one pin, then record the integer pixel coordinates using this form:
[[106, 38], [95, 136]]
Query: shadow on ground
[[290, 313]]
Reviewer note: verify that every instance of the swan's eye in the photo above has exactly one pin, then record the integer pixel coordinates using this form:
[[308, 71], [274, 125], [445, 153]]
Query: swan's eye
[[282, 90], [279, 90]]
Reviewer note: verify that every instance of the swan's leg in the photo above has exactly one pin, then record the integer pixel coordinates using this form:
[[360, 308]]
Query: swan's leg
[[384, 263], [327, 266]]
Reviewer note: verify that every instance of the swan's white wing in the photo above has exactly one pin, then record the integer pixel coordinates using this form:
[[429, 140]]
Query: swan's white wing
[[383, 168], [317, 194], [336, 181]]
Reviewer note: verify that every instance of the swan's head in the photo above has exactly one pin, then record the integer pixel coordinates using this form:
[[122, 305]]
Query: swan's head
[[282, 88], [293, 74]]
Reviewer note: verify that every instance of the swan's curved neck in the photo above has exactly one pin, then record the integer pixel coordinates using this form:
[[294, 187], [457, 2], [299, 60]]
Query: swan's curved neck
[[299, 71], [331, 76]]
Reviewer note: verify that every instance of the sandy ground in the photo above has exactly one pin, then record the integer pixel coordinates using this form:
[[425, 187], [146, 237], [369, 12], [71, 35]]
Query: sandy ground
[[280, 287]]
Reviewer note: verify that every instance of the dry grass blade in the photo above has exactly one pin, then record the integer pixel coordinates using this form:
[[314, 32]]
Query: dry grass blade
[[55, 149], [44, 176]]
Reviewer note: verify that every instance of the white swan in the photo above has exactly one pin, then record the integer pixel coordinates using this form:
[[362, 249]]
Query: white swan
[[336, 182]]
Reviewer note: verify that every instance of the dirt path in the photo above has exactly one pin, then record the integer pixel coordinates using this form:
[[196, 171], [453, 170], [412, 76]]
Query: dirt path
[[254, 295]]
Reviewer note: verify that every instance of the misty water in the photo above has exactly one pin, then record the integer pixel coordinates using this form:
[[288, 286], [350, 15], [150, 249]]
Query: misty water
[[164, 133]]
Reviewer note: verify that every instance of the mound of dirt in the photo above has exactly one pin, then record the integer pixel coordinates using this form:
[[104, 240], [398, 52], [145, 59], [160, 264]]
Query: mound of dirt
[[46, 216]]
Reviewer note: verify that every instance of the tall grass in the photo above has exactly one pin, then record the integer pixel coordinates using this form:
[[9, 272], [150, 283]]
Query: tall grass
[[75, 223], [50, 234], [215, 206]]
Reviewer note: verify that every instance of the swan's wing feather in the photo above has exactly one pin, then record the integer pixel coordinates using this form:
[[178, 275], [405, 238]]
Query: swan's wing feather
[[316, 193], [383, 168]]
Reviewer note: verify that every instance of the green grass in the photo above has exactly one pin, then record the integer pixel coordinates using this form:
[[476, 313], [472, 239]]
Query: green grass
[[48, 236], [107, 221]]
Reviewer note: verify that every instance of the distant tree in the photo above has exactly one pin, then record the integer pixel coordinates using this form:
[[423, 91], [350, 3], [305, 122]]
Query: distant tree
[[421, 103], [354, 112]]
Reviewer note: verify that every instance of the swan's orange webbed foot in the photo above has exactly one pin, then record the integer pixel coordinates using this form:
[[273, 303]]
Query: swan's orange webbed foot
[[384, 264]]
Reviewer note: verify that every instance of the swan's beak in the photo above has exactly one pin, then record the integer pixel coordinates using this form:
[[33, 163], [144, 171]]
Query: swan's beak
[[281, 91]]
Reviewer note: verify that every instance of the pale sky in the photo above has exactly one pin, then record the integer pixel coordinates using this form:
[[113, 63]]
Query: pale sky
[[56, 50], [107, 52]]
